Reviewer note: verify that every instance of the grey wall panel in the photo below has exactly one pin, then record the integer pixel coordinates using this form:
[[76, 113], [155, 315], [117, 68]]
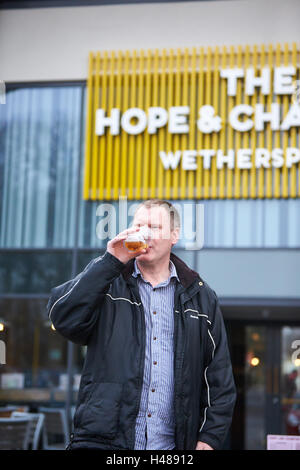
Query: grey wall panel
[[251, 273], [64, 36]]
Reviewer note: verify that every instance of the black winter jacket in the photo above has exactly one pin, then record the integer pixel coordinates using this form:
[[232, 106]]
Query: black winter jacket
[[101, 308]]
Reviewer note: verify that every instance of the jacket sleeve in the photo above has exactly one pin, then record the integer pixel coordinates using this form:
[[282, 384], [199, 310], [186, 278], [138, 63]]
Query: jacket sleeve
[[73, 307], [219, 393]]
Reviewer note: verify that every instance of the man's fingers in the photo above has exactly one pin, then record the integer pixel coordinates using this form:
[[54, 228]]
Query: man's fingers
[[118, 238], [123, 235], [203, 446], [127, 231]]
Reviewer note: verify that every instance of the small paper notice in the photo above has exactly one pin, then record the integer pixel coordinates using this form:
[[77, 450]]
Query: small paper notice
[[279, 442]]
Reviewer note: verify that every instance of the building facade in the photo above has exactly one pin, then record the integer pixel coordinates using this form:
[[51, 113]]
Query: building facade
[[101, 108]]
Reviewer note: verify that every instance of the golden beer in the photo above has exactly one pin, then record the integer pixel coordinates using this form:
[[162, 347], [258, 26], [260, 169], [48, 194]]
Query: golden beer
[[135, 245], [137, 241]]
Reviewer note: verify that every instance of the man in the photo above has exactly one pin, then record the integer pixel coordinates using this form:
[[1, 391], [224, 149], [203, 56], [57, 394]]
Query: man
[[157, 373]]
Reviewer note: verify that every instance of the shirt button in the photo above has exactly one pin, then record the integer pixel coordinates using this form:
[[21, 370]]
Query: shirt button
[[154, 338], [153, 390], [149, 415], [154, 313], [155, 362]]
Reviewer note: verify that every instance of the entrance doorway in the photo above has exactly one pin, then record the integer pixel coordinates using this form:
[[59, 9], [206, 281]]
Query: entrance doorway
[[266, 365]]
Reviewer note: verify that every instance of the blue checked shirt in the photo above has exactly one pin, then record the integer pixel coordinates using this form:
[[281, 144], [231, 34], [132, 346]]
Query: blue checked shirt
[[155, 423]]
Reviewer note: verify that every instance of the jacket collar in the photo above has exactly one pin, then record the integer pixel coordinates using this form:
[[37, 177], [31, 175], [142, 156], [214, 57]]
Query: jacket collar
[[173, 273], [186, 275]]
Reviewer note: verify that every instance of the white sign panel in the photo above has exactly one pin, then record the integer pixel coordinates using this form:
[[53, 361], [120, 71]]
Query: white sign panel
[[278, 442], [12, 380]]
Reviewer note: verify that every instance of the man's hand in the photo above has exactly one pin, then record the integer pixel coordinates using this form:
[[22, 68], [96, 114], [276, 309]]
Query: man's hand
[[116, 246], [203, 446]]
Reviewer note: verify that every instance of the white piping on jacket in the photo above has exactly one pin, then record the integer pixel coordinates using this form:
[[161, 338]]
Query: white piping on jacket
[[205, 371], [123, 298], [199, 314], [67, 293], [191, 310], [207, 384]]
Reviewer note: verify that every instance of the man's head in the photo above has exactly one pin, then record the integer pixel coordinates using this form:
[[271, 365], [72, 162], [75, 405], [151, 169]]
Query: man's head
[[163, 220]]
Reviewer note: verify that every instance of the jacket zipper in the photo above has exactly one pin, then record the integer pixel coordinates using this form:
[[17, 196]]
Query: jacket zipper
[[141, 367], [176, 382], [142, 360]]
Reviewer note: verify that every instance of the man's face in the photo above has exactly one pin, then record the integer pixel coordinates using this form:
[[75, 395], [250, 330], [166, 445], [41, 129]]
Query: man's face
[[162, 238]]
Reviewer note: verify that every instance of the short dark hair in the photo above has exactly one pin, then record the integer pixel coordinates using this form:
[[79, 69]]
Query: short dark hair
[[174, 215]]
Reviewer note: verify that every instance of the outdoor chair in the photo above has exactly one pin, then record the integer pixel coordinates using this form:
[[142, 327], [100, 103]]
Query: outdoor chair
[[14, 433], [55, 429], [36, 428]]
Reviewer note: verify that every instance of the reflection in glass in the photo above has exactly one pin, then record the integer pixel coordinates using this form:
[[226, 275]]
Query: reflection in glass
[[255, 387], [290, 380], [33, 272], [39, 166], [36, 355]]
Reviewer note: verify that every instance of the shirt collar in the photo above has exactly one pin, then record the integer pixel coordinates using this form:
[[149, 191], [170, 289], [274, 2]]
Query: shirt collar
[[173, 272]]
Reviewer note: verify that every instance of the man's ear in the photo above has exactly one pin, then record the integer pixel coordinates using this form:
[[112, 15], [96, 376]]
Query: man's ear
[[175, 236]]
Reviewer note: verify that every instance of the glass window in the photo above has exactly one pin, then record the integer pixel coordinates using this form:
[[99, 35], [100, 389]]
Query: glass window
[[255, 377], [85, 256], [35, 272], [272, 224], [220, 223], [252, 223], [39, 166], [293, 227], [102, 220], [290, 380], [36, 355]]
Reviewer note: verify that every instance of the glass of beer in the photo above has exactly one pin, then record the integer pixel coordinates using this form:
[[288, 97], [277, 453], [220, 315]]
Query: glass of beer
[[136, 241]]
